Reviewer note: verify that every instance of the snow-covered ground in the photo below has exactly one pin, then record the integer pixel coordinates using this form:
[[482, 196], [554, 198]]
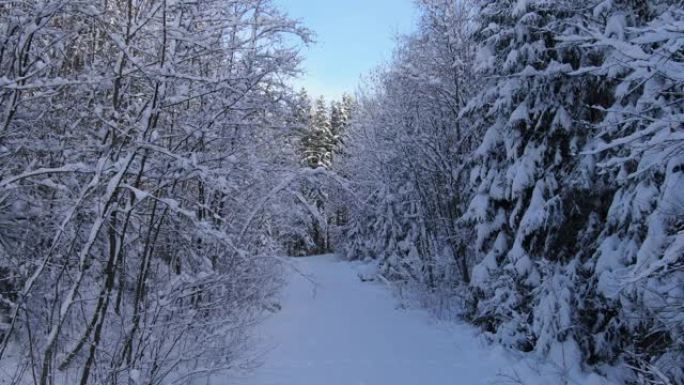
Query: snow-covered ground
[[334, 329]]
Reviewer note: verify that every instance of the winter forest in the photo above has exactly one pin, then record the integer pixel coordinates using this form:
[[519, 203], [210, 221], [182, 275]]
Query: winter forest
[[517, 167]]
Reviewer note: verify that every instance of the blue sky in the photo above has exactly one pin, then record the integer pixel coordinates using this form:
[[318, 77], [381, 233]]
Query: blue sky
[[352, 37]]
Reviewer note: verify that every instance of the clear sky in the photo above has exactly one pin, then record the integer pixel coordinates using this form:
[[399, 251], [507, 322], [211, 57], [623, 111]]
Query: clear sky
[[352, 38]]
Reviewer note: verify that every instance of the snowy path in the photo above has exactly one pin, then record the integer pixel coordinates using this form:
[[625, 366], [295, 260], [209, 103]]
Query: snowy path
[[346, 332]]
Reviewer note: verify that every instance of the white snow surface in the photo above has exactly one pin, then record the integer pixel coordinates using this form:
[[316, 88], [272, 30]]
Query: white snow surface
[[334, 329]]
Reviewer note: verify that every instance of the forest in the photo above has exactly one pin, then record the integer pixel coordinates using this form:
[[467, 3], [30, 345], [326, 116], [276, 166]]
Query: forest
[[517, 165]]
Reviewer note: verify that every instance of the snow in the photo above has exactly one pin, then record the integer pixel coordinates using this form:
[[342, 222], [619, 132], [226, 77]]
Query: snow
[[616, 26], [334, 329], [521, 113], [602, 8]]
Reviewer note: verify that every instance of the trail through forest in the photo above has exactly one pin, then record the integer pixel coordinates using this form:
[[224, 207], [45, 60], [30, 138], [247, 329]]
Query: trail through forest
[[334, 329]]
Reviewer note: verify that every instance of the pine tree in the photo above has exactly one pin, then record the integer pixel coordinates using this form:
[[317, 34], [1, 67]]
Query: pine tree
[[318, 142], [528, 179], [639, 263], [340, 119], [302, 111], [337, 119]]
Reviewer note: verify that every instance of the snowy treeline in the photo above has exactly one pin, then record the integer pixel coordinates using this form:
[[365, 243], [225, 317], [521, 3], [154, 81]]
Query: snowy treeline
[[141, 144], [526, 157], [321, 130]]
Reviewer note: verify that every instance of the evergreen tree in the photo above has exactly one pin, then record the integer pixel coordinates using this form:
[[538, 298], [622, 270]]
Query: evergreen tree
[[302, 111], [638, 268], [318, 142], [528, 178], [340, 118]]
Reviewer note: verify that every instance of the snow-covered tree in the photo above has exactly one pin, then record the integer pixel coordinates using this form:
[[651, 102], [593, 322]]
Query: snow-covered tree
[[527, 178], [405, 153], [637, 268], [555, 187], [140, 144], [318, 141]]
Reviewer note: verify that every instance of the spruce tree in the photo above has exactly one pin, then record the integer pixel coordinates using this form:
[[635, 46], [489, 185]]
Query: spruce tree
[[318, 142], [638, 271], [535, 200]]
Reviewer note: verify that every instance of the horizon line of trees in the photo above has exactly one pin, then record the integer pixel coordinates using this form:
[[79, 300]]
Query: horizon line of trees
[[321, 133]]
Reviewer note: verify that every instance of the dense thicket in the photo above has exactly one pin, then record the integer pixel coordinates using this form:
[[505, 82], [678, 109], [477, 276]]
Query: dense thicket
[[141, 142], [526, 159], [405, 155]]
